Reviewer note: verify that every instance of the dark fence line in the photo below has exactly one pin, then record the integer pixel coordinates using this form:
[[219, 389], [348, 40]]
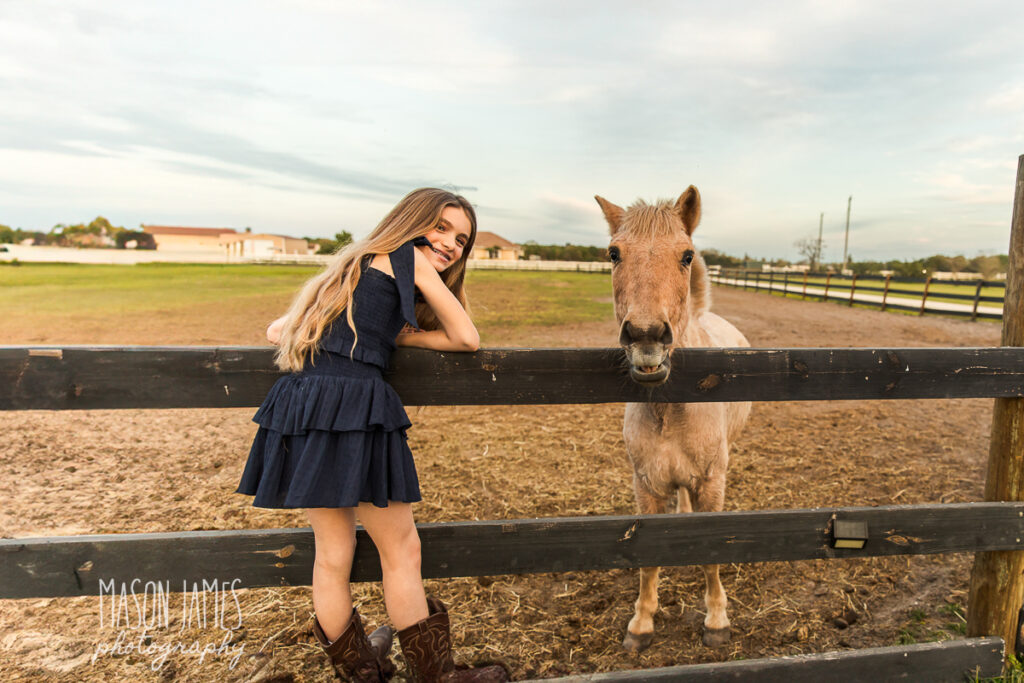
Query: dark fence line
[[952, 661], [89, 377], [85, 377], [844, 289], [896, 279], [75, 565]]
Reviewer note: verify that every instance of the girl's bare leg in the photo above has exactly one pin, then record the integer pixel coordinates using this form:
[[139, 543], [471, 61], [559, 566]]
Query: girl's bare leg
[[334, 531], [394, 533]]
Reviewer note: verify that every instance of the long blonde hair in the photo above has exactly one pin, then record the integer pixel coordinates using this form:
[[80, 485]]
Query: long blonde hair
[[326, 295]]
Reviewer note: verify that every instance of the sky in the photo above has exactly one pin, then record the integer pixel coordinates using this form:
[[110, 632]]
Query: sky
[[309, 117]]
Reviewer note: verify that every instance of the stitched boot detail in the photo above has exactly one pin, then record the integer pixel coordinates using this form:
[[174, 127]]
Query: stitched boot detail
[[354, 656], [427, 646]]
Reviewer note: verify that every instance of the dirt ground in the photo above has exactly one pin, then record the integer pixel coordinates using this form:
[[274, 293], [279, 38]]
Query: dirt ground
[[169, 470]]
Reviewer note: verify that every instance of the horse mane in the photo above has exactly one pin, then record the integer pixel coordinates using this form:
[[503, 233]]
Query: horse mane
[[656, 220]]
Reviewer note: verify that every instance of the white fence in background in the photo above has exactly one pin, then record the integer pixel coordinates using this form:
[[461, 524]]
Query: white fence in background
[[577, 266]]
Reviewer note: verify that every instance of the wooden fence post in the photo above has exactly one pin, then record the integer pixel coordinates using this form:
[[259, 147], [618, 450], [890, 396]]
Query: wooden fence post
[[828, 280], [924, 297], [785, 285], [997, 579], [804, 295], [853, 288], [771, 280], [977, 297], [885, 294]]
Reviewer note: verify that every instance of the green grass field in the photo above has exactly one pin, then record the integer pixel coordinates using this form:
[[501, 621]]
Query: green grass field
[[45, 288], [44, 296]]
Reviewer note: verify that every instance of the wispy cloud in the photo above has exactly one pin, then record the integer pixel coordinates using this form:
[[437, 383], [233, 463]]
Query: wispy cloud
[[322, 113]]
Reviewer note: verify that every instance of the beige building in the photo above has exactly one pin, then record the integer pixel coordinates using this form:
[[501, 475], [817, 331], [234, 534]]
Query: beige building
[[495, 247], [174, 238], [227, 241], [251, 245]]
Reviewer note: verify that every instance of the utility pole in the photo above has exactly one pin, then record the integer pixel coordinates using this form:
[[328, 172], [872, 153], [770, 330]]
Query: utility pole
[[817, 252], [846, 241]]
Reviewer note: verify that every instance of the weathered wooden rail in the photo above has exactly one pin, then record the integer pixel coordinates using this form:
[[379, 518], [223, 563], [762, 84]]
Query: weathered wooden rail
[[102, 377], [71, 566]]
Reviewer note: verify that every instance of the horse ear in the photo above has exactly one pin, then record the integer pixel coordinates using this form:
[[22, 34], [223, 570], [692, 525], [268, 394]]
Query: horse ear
[[688, 208], [612, 213]]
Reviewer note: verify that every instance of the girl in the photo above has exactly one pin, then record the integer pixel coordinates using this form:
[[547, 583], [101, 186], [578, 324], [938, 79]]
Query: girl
[[332, 435]]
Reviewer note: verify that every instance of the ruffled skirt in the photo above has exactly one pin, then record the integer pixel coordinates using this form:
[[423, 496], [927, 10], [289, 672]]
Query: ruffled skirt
[[332, 435]]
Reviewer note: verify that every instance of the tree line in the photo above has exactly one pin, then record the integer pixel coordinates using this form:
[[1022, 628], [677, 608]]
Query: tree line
[[101, 233], [98, 233], [564, 252]]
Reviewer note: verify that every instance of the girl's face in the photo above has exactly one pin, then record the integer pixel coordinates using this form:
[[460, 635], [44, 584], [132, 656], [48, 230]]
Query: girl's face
[[448, 239]]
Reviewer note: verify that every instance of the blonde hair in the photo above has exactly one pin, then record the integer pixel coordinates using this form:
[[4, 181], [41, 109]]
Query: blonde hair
[[326, 295]]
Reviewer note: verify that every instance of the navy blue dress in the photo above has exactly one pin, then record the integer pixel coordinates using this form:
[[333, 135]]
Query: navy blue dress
[[333, 435]]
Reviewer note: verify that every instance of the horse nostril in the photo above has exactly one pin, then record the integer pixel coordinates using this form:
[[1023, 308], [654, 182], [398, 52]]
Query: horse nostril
[[666, 335], [625, 334]]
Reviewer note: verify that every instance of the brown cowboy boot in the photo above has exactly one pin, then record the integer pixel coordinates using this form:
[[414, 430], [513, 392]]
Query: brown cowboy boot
[[427, 646], [356, 657]]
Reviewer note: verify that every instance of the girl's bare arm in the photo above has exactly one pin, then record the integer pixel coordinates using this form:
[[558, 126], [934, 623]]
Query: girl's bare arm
[[457, 333]]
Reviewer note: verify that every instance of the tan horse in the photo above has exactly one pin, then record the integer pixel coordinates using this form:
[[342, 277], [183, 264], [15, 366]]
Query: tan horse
[[662, 300]]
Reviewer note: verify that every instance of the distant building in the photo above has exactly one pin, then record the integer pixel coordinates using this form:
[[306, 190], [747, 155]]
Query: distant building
[[251, 245], [794, 268], [488, 245], [227, 241], [174, 238]]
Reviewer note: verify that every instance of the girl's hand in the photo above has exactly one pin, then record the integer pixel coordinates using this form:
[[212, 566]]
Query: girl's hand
[[457, 331], [274, 330]]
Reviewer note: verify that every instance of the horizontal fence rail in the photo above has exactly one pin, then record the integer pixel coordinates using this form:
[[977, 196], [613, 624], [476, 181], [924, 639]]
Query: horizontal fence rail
[[76, 565], [953, 661], [876, 291], [565, 266], [96, 377]]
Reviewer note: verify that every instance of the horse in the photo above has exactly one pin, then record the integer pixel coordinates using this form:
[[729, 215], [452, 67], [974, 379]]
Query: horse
[[662, 296]]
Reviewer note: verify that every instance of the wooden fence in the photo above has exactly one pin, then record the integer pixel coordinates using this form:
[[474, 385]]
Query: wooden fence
[[70, 378], [885, 292]]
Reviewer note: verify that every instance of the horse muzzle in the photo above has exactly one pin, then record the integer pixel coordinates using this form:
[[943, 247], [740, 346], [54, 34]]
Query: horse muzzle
[[648, 352], [648, 366]]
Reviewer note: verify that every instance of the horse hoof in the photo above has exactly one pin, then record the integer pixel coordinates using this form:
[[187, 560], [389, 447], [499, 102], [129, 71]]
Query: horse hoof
[[637, 642], [713, 637]]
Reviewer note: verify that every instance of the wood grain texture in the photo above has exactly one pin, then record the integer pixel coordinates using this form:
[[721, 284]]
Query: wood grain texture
[[75, 565], [953, 661], [997, 578], [82, 378]]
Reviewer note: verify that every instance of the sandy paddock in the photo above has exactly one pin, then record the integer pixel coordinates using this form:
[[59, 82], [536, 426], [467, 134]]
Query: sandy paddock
[[174, 470]]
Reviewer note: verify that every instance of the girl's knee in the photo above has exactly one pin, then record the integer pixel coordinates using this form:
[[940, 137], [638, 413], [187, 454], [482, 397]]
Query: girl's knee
[[402, 552], [335, 560]]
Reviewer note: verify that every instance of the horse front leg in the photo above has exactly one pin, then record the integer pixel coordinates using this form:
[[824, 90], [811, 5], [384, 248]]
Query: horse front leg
[[710, 497], [640, 631]]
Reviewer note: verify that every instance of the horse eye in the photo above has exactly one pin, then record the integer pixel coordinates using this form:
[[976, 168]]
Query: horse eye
[[614, 255], [687, 257]]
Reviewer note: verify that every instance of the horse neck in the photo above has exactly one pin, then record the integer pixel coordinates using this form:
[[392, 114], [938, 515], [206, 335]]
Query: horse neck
[[698, 303]]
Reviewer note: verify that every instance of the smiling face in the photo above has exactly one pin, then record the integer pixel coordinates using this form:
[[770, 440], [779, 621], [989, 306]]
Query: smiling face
[[448, 239]]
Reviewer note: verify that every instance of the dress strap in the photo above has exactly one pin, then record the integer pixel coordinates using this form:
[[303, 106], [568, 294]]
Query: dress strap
[[403, 263]]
